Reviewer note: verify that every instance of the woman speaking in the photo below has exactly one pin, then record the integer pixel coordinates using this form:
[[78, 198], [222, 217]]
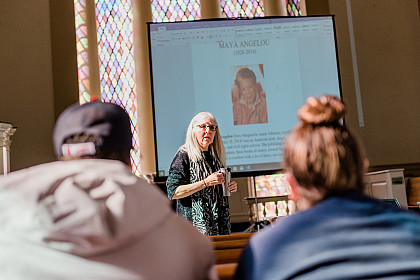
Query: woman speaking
[[195, 179]]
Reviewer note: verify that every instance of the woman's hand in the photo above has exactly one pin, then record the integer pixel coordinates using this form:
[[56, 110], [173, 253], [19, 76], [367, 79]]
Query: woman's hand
[[214, 179], [233, 186], [218, 178]]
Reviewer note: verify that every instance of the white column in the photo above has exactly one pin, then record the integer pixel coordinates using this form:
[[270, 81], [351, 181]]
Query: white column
[[6, 130], [274, 8], [210, 9], [142, 11], [303, 7], [278, 8]]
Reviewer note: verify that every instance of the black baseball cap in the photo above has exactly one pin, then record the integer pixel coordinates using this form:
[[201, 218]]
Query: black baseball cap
[[107, 121]]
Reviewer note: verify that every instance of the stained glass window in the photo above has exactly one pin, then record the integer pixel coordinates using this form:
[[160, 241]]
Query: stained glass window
[[82, 54], [116, 51], [114, 23], [116, 61], [242, 8], [293, 7], [175, 10]]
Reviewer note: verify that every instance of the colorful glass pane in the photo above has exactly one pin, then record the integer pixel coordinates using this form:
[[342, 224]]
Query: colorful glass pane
[[175, 10], [272, 185], [82, 50], [116, 62], [293, 8], [242, 8]]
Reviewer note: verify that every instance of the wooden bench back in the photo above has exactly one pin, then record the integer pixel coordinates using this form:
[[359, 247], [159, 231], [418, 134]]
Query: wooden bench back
[[228, 250]]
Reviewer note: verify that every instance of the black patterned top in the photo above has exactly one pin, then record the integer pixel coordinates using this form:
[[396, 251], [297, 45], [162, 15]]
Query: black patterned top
[[207, 209]]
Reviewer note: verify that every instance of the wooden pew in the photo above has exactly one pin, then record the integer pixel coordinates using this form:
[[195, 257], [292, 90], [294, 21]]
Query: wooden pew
[[228, 249]]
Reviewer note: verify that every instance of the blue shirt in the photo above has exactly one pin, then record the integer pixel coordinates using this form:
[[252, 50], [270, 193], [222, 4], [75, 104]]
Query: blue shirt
[[348, 237]]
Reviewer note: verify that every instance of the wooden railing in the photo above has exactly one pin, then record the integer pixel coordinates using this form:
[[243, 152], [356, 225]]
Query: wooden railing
[[253, 214]]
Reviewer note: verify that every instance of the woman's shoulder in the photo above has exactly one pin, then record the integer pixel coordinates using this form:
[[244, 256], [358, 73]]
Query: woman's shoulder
[[182, 152], [181, 159]]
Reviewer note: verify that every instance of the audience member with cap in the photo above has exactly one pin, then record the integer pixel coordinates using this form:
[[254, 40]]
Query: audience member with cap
[[88, 217], [338, 233]]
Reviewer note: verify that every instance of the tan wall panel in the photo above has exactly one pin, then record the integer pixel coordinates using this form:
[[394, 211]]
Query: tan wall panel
[[26, 87], [387, 40]]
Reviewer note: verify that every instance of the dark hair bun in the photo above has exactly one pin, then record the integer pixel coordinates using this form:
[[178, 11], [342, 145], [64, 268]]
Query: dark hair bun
[[325, 110]]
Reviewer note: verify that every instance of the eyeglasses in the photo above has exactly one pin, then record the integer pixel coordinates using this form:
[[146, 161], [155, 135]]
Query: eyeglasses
[[204, 127]]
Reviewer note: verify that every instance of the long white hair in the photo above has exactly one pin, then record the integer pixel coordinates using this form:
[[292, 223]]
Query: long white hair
[[192, 146]]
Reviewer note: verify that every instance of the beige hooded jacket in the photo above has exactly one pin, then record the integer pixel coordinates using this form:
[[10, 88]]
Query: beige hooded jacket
[[93, 219]]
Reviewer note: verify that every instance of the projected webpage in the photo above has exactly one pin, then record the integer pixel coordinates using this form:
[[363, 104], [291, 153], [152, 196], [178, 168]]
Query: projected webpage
[[252, 75]]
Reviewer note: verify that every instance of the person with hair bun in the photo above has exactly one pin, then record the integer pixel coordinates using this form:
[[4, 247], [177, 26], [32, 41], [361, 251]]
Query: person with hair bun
[[338, 232]]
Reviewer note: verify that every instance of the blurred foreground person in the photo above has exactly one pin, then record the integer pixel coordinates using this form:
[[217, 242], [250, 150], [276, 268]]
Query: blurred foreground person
[[88, 217], [339, 233]]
